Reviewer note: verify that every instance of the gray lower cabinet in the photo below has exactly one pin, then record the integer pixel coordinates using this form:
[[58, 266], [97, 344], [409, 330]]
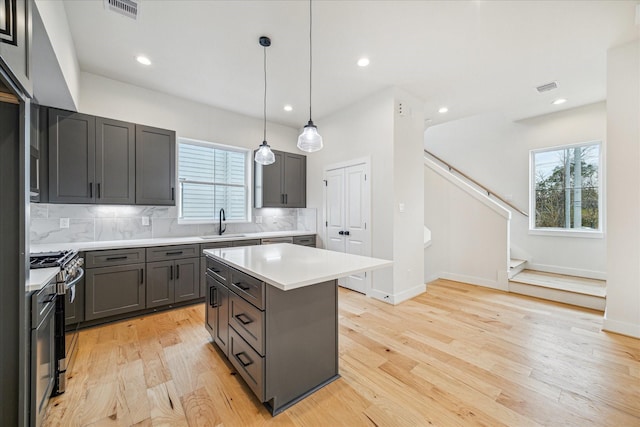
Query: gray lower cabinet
[[284, 344], [305, 240], [114, 290], [282, 183], [155, 166], [172, 281]]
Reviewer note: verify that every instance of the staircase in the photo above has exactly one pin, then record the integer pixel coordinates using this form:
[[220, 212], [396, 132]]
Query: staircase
[[579, 291]]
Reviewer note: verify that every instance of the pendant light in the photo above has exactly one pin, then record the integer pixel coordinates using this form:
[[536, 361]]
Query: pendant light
[[310, 140], [264, 155]]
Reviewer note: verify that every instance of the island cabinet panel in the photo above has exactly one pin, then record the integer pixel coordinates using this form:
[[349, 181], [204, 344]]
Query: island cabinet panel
[[284, 344], [217, 313], [114, 290], [205, 264]]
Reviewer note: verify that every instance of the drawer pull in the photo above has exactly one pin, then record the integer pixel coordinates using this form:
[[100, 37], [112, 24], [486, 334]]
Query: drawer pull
[[113, 258], [243, 318], [244, 288], [175, 253], [242, 362], [212, 296]]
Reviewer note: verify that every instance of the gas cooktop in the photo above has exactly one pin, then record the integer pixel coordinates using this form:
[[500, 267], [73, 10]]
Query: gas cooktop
[[51, 259]]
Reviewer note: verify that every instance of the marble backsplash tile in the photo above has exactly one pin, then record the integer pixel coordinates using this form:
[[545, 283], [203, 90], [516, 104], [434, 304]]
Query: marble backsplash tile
[[106, 222]]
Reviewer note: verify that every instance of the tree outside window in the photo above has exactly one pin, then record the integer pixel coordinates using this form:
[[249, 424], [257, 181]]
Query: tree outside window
[[567, 188]]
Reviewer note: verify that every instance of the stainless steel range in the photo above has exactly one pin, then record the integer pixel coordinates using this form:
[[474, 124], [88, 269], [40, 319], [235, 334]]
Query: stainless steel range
[[66, 339]]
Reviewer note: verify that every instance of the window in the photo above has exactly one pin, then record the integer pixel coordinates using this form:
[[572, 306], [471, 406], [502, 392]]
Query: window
[[212, 177], [567, 189]]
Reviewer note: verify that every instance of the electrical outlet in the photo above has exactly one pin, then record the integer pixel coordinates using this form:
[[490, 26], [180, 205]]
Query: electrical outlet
[[258, 219], [145, 220], [64, 222]]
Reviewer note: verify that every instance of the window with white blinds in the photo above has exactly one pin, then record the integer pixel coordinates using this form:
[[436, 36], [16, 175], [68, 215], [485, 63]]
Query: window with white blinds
[[212, 177]]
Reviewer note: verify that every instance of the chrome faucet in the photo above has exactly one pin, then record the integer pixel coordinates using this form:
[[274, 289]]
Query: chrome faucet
[[222, 218]]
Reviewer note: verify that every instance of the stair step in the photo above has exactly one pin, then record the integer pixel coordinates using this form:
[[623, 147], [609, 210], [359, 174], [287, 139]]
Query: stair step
[[516, 266], [578, 285]]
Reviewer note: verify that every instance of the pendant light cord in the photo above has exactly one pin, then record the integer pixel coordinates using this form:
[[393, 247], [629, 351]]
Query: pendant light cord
[[264, 109], [310, 57]]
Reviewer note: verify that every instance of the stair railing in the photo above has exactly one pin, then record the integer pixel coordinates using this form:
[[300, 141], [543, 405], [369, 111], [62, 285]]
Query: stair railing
[[490, 193]]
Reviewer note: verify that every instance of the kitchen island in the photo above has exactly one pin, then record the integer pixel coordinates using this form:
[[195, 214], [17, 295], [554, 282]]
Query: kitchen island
[[273, 311]]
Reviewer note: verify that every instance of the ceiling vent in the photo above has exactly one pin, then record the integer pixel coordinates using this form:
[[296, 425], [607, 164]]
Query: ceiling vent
[[547, 87], [127, 8]]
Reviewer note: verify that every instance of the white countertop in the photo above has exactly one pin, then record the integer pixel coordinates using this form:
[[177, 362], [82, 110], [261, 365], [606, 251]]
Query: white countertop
[[159, 241], [40, 276], [288, 266]]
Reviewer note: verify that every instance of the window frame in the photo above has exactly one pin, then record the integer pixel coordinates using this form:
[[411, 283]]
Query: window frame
[[247, 185], [568, 232]]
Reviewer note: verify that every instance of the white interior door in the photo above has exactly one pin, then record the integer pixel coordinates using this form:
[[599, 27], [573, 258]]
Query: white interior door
[[347, 215]]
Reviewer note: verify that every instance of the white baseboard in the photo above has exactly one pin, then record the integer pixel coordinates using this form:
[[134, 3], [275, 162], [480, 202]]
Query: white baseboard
[[432, 277], [622, 328], [396, 299], [479, 281], [590, 274]]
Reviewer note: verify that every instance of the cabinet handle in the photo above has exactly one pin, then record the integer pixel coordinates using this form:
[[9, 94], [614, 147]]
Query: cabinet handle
[[178, 271], [282, 198], [141, 276], [341, 233], [174, 253], [346, 233], [286, 199], [171, 272], [212, 296], [243, 318], [91, 190], [242, 362], [98, 190], [239, 285], [113, 258], [173, 193]]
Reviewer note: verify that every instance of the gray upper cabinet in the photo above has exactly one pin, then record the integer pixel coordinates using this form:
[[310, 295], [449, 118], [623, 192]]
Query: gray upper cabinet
[[283, 183], [155, 166], [15, 40], [115, 162], [72, 153]]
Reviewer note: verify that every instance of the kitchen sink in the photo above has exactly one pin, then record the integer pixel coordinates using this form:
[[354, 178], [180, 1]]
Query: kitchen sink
[[218, 236]]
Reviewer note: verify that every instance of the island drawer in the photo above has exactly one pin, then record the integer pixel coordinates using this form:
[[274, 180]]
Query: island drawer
[[248, 322], [248, 363], [305, 240], [114, 257], [218, 270], [163, 253], [249, 288]]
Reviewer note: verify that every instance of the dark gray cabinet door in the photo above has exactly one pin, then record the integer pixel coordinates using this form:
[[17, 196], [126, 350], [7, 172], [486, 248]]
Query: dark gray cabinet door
[[115, 162], [211, 310], [268, 183], [72, 145], [15, 40], [282, 183], [187, 283], [114, 290], [222, 321], [160, 283], [294, 179], [155, 166]]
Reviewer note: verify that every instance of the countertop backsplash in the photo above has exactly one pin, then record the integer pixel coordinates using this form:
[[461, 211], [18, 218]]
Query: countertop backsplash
[[88, 223]]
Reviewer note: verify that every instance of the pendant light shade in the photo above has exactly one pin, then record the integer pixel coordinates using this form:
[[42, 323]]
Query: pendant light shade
[[264, 155], [310, 140]]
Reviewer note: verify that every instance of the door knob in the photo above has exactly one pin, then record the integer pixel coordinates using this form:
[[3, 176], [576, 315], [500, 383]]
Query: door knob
[[346, 233], [341, 232]]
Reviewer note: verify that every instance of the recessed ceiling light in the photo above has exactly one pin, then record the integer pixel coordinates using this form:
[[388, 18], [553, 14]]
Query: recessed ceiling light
[[363, 62], [143, 60], [443, 110], [559, 101], [288, 108]]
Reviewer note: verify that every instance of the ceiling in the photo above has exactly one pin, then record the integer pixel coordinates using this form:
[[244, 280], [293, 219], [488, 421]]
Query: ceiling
[[472, 56]]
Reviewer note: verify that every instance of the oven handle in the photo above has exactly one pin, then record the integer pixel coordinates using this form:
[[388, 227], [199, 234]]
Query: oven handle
[[72, 284]]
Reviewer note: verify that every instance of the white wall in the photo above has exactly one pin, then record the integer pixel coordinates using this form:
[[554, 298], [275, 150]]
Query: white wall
[[370, 128], [54, 18], [495, 151], [623, 192], [469, 232], [113, 99]]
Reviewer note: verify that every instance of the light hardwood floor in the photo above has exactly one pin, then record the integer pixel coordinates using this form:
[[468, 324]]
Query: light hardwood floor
[[456, 355]]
